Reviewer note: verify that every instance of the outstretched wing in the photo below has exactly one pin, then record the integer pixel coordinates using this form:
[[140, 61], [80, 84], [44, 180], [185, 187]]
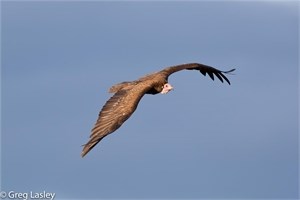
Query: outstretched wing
[[204, 69], [113, 114]]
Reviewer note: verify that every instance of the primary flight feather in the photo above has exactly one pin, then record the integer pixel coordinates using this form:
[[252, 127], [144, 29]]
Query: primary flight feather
[[128, 94]]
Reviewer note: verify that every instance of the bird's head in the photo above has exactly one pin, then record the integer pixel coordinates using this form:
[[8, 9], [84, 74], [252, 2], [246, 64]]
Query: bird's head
[[166, 88]]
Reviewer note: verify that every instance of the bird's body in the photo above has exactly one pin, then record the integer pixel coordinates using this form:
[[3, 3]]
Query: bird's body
[[128, 94]]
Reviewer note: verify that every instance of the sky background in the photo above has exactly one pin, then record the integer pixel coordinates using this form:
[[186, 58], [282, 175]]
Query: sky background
[[203, 140]]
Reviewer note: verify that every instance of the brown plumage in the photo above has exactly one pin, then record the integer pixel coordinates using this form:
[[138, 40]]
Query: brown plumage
[[128, 94]]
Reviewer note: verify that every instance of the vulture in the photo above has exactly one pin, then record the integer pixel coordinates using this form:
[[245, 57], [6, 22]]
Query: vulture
[[128, 94]]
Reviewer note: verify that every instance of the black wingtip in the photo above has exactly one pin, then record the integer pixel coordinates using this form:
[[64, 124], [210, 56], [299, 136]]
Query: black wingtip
[[229, 71]]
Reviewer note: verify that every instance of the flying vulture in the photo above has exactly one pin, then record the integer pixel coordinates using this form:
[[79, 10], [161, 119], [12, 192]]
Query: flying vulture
[[128, 94]]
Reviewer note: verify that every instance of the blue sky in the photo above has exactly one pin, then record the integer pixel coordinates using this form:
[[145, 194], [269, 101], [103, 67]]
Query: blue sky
[[203, 140]]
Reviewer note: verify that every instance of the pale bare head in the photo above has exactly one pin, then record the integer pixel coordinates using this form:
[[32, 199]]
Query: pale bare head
[[166, 88]]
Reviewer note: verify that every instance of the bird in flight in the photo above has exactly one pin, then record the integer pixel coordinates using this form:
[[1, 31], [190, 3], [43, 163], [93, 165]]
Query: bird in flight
[[128, 94]]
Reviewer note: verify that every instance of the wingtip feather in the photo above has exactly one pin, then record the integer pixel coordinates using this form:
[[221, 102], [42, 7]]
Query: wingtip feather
[[229, 71]]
